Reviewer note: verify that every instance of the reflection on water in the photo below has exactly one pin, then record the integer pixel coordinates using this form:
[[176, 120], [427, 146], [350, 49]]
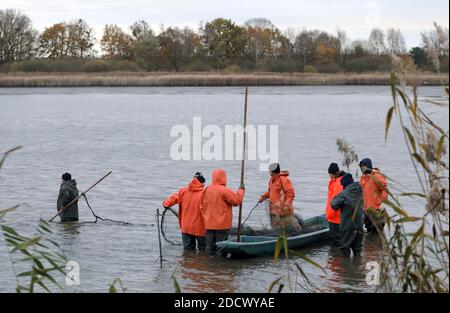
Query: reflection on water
[[203, 273]]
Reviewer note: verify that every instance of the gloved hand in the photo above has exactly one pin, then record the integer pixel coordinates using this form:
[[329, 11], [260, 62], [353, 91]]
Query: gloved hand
[[261, 199], [285, 210]]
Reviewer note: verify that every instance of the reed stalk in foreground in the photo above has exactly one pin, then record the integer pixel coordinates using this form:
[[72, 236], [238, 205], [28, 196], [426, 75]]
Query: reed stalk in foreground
[[416, 255]]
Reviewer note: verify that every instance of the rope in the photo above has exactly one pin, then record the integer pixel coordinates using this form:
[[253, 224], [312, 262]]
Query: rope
[[163, 232], [107, 219], [251, 211]]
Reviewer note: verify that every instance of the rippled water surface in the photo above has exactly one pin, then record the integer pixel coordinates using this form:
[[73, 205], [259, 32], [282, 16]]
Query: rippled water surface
[[127, 130]]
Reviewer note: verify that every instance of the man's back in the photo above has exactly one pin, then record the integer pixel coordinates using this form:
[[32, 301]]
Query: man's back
[[349, 201], [67, 192]]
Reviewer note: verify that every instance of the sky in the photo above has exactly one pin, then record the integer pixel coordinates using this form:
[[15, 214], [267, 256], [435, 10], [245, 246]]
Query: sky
[[356, 17]]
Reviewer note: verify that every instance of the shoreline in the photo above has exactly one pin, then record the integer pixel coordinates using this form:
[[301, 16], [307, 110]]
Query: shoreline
[[161, 79]]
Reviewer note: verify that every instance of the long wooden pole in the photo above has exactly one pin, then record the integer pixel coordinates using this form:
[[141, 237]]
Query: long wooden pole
[[79, 196], [243, 162], [159, 239]]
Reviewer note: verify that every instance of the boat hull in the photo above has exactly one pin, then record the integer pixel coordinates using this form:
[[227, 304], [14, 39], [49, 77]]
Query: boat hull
[[251, 246]]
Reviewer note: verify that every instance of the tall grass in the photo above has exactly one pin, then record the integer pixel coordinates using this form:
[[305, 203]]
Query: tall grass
[[39, 256], [161, 79], [416, 247]]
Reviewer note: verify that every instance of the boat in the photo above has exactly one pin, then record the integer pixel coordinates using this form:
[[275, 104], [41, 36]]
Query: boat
[[315, 230]]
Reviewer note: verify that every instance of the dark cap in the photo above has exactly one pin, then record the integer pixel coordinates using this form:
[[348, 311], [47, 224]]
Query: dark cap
[[333, 168], [66, 176], [200, 177], [275, 168]]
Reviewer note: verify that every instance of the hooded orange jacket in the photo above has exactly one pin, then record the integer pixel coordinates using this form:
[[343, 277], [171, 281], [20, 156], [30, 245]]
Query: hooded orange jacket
[[189, 214], [374, 188], [217, 202], [281, 194], [334, 188]]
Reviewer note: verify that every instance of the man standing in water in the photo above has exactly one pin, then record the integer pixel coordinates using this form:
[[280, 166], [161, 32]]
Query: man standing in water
[[189, 215], [217, 209], [350, 204], [67, 193], [281, 195], [375, 192], [334, 188]]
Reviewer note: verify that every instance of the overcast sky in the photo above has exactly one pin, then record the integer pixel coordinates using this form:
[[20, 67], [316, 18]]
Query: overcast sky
[[357, 17]]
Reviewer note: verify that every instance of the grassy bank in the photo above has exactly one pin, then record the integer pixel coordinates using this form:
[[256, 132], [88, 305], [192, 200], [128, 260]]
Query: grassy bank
[[148, 79]]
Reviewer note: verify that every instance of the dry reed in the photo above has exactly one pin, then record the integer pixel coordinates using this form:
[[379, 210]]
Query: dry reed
[[164, 79]]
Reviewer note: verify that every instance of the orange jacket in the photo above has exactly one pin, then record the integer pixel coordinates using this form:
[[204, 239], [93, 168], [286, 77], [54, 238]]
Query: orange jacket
[[281, 194], [189, 214], [334, 188], [374, 188], [217, 202]]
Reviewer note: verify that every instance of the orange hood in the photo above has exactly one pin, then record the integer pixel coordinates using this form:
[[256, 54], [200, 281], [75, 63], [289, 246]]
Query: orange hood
[[219, 177], [195, 185]]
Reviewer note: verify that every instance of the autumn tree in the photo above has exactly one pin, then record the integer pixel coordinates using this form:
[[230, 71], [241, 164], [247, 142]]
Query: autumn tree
[[53, 41], [81, 39], [115, 43], [70, 40], [145, 46], [259, 35], [224, 41], [309, 43], [177, 47], [17, 36], [324, 54], [281, 49]]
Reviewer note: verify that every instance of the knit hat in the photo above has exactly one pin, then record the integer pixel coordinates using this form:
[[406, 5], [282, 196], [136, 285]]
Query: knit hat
[[275, 168], [200, 177], [333, 168], [347, 179], [66, 176]]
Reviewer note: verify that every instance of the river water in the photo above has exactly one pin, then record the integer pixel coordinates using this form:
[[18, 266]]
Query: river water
[[127, 130]]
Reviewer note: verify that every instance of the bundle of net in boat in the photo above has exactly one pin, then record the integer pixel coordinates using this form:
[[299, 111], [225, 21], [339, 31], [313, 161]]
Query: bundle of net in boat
[[170, 229]]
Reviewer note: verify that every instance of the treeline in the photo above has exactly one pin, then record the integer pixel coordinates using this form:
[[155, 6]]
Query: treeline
[[220, 44]]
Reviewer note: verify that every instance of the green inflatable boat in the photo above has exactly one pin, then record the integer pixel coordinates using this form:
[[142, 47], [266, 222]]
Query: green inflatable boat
[[315, 230]]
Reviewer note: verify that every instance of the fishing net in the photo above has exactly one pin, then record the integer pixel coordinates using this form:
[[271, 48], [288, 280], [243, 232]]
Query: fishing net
[[170, 229]]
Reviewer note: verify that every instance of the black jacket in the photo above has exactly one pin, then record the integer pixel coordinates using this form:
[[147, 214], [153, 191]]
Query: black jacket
[[350, 202], [67, 192]]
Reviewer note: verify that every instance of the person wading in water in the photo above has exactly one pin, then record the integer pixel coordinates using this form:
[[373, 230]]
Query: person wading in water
[[189, 215], [281, 194], [334, 188], [375, 192], [67, 193]]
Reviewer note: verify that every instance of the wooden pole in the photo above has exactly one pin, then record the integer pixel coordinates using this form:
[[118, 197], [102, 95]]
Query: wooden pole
[[79, 196], [243, 162], [159, 239]]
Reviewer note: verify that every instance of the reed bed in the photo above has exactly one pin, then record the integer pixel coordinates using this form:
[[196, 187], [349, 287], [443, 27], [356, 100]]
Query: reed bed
[[161, 79]]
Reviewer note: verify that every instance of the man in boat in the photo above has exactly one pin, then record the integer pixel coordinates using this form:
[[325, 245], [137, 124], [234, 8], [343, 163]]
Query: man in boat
[[375, 191], [217, 209], [350, 204], [67, 193], [334, 188], [189, 216], [281, 195]]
